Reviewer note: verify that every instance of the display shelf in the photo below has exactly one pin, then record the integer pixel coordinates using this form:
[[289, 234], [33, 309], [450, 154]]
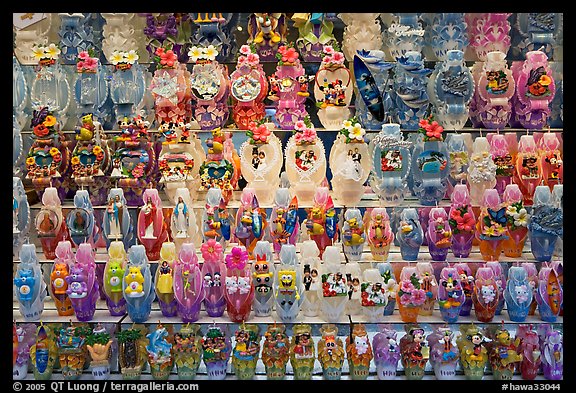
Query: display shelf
[[50, 314]]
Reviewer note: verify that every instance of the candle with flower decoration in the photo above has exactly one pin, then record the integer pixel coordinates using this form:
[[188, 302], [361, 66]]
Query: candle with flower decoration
[[239, 292], [164, 280], [545, 226], [549, 294], [216, 349], [261, 160], [321, 224], [517, 221], [410, 295], [288, 285], [43, 353], [467, 283], [485, 296], [378, 232], [289, 88], [189, 291], [390, 285], [186, 350], [159, 353], [275, 351], [430, 163], [334, 285], [128, 80], [99, 343], [284, 225], [518, 294], [331, 352], [491, 228], [132, 354], [246, 351], [152, 229], [137, 285], [500, 278], [552, 349], [163, 29], [213, 273], [473, 352], [359, 352], [350, 163], [444, 353], [302, 352], [251, 221], [310, 262], [24, 336], [353, 236], [429, 284], [305, 161], [386, 352], [462, 221], [410, 234], [249, 88], [83, 288], [439, 234], [451, 295], [374, 298], [482, 170], [29, 286], [529, 347], [503, 352], [414, 352], [332, 88], [263, 279]]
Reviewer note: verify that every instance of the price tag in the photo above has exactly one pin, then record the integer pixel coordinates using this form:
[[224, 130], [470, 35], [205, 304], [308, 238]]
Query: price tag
[[23, 20]]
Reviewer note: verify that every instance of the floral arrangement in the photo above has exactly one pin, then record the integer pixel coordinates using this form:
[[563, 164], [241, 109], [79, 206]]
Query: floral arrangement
[[77, 166], [462, 220], [46, 55], [353, 130], [493, 225], [248, 56], [165, 58], [211, 250], [202, 54], [237, 258], [287, 55], [258, 132], [124, 60], [305, 132], [87, 62], [516, 215], [390, 285], [332, 56], [43, 122], [410, 293], [431, 130]]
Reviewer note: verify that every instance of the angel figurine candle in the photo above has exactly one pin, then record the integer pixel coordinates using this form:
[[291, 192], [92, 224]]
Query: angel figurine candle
[[482, 170], [137, 285], [112, 280], [549, 294], [187, 351], [214, 274], [545, 226], [216, 350], [386, 352], [284, 225], [263, 278], [517, 221], [29, 285], [491, 228], [183, 223], [164, 280], [50, 223], [451, 295], [518, 294], [415, 352], [83, 288], [58, 273], [151, 226], [331, 352], [188, 284], [302, 352], [473, 352], [305, 161], [352, 235], [321, 224], [159, 353], [246, 351], [378, 232], [275, 351], [350, 163], [334, 285], [444, 354], [251, 221], [410, 234], [117, 222], [311, 279], [485, 296], [439, 234], [261, 160], [288, 285], [462, 221], [239, 286], [43, 353]]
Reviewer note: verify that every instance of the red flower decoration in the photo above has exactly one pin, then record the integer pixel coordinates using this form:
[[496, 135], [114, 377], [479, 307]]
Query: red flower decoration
[[168, 58], [290, 55], [41, 130], [260, 133]]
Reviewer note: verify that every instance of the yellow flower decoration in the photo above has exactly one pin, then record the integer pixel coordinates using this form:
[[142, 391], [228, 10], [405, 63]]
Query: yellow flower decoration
[[53, 51], [75, 160], [117, 57], [54, 151], [131, 57], [545, 80], [30, 161], [210, 53], [49, 121], [96, 150], [38, 52]]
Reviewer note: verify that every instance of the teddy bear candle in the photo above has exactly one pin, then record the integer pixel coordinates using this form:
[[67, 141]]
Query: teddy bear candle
[[60, 270], [30, 287], [239, 292], [378, 232], [112, 281], [353, 236], [137, 285], [82, 284]]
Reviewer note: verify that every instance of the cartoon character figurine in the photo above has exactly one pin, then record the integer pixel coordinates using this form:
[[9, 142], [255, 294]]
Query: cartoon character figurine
[[275, 351], [352, 235], [415, 352], [267, 31], [214, 274], [251, 221], [113, 275], [288, 285], [444, 353], [284, 225], [503, 355], [61, 270], [239, 288], [83, 287], [529, 347], [29, 285], [439, 234], [159, 353], [450, 294], [410, 234], [386, 352], [379, 233], [137, 285], [473, 352], [216, 220], [263, 274], [246, 351], [164, 280], [485, 296], [216, 350], [188, 284], [552, 350], [302, 352], [321, 224], [331, 352]]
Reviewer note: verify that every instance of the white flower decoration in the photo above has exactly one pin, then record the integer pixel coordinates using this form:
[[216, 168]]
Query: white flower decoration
[[210, 53], [521, 218], [357, 132], [511, 210], [52, 51], [131, 57], [195, 53], [117, 57], [245, 49], [347, 124], [38, 52]]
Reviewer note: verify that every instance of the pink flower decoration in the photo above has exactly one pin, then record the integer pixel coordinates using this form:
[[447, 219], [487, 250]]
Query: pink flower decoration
[[300, 125], [237, 258], [91, 63], [290, 55], [338, 58], [434, 130], [83, 55], [211, 250], [138, 170], [299, 137], [418, 297], [405, 299], [261, 133], [282, 49], [406, 286], [245, 49], [328, 49], [168, 58], [326, 59], [241, 59], [423, 123], [252, 58], [80, 66], [309, 134]]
